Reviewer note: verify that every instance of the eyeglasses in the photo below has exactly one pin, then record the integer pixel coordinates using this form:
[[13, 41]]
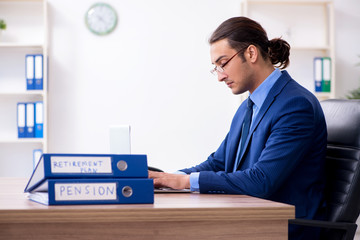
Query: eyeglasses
[[221, 67]]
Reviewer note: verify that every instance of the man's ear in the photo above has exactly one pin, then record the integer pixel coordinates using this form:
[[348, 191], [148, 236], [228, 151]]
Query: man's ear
[[252, 53]]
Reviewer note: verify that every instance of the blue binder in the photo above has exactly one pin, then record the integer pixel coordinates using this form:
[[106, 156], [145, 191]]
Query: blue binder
[[318, 74], [94, 191], [30, 120], [30, 71], [39, 119], [21, 119], [38, 71], [62, 166], [326, 74]]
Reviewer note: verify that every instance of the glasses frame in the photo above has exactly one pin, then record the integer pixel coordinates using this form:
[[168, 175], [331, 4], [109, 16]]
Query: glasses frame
[[221, 67]]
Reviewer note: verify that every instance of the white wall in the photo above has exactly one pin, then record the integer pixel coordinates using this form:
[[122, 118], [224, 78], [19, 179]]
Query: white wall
[[152, 72], [347, 41]]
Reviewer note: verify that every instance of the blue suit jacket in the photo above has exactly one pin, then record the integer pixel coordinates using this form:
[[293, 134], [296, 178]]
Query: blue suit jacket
[[284, 156]]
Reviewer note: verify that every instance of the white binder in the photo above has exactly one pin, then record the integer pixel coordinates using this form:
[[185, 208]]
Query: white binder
[[30, 69], [21, 119], [30, 119], [39, 119], [38, 84]]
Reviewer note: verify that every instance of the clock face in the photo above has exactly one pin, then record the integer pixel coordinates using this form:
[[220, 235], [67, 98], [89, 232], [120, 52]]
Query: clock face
[[101, 19]]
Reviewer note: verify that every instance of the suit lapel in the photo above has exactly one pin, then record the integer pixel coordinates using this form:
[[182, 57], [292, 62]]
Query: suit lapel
[[275, 90]]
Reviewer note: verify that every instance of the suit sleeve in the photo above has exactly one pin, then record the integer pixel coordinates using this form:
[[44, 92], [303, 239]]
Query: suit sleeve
[[289, 137]]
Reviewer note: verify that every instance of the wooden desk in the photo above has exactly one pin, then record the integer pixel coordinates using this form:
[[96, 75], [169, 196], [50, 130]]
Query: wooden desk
[[172, 216]]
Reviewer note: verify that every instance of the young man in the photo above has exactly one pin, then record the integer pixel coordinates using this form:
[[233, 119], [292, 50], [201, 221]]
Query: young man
[[276, 145]]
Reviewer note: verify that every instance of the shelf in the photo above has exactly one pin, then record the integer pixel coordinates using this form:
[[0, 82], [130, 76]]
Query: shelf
[[23, 140], [305, 2], [27, 33], [323, 95], [21, 0], [20, 45], [23, 93], [309, 37], [310, 48]]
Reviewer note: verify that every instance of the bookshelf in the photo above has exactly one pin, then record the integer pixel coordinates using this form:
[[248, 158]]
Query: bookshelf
[[26, 33], [309, 28]]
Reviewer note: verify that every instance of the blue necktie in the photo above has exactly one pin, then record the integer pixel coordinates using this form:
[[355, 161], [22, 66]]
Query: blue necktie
[[244, 131]]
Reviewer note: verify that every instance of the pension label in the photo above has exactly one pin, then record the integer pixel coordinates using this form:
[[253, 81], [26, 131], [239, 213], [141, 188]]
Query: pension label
[[85, 191]]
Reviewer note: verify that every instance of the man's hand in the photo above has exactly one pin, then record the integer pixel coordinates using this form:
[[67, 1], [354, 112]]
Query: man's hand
[[174, 181]]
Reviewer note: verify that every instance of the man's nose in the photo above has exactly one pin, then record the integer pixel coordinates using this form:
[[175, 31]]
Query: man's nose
[[221, 76]]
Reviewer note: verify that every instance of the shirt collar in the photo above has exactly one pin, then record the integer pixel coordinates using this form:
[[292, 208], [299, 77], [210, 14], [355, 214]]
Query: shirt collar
[[261, 92]]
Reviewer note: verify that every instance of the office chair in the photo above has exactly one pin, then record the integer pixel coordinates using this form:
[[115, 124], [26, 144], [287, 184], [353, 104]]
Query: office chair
[[342, 171]]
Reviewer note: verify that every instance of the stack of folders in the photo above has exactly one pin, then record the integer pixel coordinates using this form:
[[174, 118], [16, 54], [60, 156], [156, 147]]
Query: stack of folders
[[64, 179], [322, 74], [34, 71], [30, 119]]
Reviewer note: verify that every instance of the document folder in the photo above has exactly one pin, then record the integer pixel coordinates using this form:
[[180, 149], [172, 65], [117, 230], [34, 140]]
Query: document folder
[[39, 119], [21, 119], [318, 74], [326, 74], [69, 166], [30, 119], [94, 191], [30, 72], [38, 82]]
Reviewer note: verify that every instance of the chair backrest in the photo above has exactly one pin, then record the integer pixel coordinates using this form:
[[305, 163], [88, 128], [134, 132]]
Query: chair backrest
[[343, 159]]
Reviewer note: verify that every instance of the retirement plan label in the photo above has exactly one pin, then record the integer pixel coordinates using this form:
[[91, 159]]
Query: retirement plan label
[[62, 164]]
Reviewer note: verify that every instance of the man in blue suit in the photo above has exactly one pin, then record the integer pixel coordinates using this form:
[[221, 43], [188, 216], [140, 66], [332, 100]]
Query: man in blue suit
[[276, 145]]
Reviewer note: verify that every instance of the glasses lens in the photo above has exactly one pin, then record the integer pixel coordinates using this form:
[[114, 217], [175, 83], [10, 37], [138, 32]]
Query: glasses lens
[[216, 70]]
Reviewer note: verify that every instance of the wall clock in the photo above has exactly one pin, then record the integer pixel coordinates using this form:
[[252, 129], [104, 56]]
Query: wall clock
[[101, 19]]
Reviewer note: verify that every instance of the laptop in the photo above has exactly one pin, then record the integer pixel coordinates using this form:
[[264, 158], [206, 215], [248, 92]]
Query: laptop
[[120, 144], [120, 139]]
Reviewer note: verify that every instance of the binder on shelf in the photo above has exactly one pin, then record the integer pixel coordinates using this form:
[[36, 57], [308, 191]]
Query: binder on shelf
[[67, 166], [30, 119], [39, 119], [318, 74], [30, 71], [326, 74], [94, 191], [36, 156], [21, 119], [38, 72], [322, 74]]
